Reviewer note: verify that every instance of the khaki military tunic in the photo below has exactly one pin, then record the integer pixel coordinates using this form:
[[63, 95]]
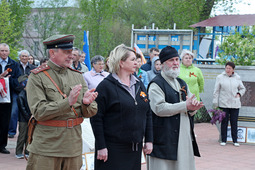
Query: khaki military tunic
[[46, 103]]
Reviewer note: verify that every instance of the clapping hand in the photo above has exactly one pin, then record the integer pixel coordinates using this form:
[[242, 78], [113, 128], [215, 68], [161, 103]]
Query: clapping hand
[[74, 93], [192, 103], [89, 96]]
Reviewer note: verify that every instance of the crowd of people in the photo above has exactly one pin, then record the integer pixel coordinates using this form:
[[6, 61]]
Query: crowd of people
[[133, 107]]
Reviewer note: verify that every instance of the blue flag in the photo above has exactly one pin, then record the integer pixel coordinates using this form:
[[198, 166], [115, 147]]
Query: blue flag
[[86, 50]]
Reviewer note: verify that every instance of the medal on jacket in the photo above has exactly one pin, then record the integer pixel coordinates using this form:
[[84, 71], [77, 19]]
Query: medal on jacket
[[143, 95]]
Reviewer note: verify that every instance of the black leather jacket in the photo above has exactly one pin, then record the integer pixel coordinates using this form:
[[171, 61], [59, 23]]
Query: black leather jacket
[[24, 111]]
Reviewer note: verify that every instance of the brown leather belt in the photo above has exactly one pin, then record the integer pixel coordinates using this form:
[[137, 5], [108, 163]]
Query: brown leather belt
[[69, 123]]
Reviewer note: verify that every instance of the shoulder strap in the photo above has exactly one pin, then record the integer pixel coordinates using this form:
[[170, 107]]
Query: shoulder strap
[[64, 95], [40, 69], [74, 70]]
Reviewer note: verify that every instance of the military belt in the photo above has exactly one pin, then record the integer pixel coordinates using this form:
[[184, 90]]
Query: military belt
[[69, 123]]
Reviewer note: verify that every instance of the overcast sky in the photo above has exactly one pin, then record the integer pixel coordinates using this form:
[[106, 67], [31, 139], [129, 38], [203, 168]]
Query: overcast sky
[[37, 3], [241, 8]]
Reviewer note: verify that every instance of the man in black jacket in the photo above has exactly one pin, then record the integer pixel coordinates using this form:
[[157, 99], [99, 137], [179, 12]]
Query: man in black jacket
[[25, 69], [6, 108], [153, 53], [24, 66], [172, 104]]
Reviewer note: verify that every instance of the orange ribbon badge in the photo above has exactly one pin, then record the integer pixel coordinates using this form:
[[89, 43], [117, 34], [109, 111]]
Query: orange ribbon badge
[[183, 89], [143, 95], [192, 74]]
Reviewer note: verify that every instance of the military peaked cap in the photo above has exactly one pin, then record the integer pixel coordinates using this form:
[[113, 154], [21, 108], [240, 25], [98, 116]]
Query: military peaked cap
[[64, 42]]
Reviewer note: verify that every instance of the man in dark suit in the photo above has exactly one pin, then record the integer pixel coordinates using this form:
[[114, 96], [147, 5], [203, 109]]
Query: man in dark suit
[[6, 108], [24, 66]]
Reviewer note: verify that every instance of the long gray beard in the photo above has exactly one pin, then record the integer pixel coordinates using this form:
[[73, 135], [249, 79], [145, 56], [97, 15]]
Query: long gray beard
[[169, 72]]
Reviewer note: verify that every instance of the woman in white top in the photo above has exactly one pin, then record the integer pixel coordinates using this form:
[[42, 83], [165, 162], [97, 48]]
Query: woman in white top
[[227, 92]]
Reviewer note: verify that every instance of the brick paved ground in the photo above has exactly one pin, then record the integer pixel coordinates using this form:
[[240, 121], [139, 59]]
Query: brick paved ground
[[214, 156]]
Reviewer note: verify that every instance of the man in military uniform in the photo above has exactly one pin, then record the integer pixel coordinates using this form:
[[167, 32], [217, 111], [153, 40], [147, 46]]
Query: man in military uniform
[[57, 141]]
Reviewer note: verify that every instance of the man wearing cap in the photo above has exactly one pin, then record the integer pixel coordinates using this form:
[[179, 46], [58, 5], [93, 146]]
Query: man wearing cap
[[58, 98], [172, 105]]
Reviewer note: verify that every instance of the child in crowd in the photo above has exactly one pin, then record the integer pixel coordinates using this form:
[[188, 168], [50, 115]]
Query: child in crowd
[[141, 74], [155, 68], [24, 116]]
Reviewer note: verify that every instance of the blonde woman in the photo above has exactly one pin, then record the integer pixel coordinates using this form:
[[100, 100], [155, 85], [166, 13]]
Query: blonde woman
[[123, 118]]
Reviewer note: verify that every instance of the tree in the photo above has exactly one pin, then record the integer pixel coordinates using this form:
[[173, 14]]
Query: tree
[[7, 28], [239, 48], [52, 17], [98, 21], [109, 21], [19, 9], [184, 12], [135, 12]]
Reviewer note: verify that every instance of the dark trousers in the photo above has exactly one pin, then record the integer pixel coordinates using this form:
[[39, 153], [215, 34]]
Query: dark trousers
[[120, 157], [14, 115], [233, 115], [22, 138], [5, 115]]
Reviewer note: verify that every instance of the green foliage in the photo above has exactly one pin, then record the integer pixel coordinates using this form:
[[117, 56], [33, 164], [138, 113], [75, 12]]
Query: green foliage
[[182, 12], [202, 116], [99, 21], [137, 12], [238, 48], [7, 27], [19, 9], [109, 21]]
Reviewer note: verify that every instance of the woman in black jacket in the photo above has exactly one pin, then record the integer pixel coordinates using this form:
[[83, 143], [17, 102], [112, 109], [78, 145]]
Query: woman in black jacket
[[124, 116]]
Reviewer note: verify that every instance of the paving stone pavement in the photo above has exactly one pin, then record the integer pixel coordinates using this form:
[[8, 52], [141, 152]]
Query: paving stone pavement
[[213, 156]]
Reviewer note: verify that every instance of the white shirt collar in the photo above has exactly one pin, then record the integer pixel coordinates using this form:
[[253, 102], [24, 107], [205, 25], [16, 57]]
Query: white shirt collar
[[6, 60]]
